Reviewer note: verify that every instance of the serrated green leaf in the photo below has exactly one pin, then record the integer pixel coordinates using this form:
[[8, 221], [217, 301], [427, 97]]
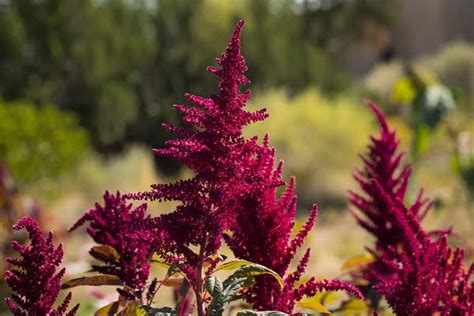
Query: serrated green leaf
[[226, 292], [210, 284], [213, 286], [229, 293], [221, 295]]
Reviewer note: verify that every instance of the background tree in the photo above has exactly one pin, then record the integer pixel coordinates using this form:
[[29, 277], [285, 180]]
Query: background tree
[[114, 62]]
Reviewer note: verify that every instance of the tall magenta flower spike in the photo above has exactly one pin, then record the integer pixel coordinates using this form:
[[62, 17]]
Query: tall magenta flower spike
[[128, 232], [234, 189], [382, 163], [263, 232], [34, 280], [416, 271], [215, 150]]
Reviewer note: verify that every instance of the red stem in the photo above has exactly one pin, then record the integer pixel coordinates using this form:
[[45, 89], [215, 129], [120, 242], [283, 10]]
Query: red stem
[[198, 286]]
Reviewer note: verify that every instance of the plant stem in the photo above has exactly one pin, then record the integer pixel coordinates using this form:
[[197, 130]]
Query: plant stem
[[198, 286], [198, 290]]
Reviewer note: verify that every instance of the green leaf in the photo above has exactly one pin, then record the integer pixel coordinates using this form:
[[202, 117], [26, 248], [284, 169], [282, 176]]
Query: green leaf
[[161, 311], [108, 310], [254, 269], [259, 269], [124, 308], [314, 305], [134, 309], [326, 298], [232, 265], [221, 294], [214, 286], [357, 261], [243, 277], [103, 279], [354, 306]]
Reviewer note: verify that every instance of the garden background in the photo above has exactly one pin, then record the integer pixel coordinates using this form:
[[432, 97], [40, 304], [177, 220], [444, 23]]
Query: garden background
[[86, 84]]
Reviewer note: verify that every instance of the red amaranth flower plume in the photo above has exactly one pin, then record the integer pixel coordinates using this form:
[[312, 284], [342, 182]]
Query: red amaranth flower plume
[[128, 232], [422, 275], [234, 188], [382, 163], [34, 280], [215, 150], [416, 271], [218, 154], [262, 235]]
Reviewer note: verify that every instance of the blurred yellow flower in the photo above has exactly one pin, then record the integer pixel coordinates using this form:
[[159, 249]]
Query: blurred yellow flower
[[403, 91]]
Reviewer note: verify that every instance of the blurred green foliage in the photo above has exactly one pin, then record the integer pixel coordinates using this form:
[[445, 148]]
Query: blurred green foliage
[[39, 142], [81, 55], [119, 64], [454, 65], [417, 93], [432, 102], [318, 138]]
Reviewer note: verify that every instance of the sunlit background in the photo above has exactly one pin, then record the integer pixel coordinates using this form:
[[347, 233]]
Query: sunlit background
[[86, 84]]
